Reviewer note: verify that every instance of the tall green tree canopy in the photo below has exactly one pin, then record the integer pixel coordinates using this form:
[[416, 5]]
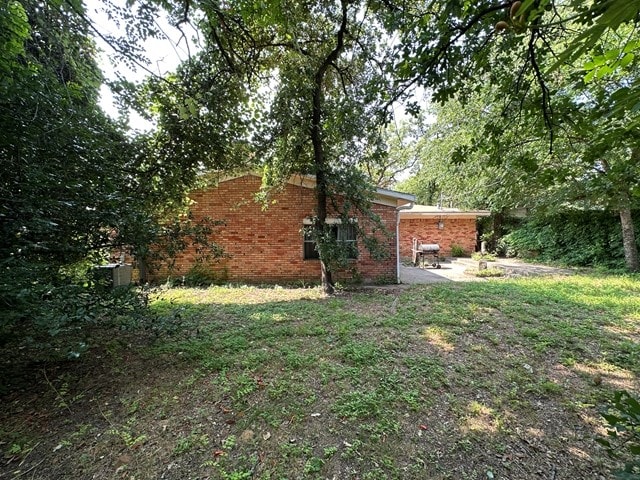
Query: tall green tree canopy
[[558, 117], [311, 93], [69, 175]]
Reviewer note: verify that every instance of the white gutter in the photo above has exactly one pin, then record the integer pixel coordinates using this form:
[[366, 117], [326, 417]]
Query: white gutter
[[401, 207]]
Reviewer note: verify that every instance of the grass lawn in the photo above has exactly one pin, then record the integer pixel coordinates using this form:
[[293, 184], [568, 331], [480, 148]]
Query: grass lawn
[[499, 379]]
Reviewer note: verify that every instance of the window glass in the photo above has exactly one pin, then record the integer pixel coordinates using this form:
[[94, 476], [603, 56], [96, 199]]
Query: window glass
[[310, 252], [345, 234]]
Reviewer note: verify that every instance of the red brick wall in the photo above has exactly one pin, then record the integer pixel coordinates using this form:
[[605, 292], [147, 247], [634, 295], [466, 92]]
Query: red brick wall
[[266, 245], [460, 231]]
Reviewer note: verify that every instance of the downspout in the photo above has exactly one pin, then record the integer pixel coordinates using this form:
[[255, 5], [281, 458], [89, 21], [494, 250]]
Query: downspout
[[401, 207]]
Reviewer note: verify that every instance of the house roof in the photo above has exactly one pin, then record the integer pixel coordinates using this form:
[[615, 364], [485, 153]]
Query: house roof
[[400, 197], [383, 195], [434, 211]]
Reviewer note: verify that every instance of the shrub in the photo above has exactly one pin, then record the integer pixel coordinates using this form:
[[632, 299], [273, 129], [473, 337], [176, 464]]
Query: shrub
[[205, 274], [623, 436], [487, 272], [578, 238], [51, 314], [489, 257], [458, 250]]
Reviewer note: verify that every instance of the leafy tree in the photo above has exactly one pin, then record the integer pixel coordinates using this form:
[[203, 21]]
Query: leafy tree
[[453, 168], [401, 138], [295, 88], [64, 167], [453, 47], [470, 158], [326, 114], [71, 181], [519, 57]]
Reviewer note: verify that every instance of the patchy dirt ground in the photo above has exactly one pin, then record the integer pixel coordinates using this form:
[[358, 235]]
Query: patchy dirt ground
[[458, 381]]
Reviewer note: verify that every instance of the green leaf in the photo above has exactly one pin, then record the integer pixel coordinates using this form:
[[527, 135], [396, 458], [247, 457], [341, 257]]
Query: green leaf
[[612, 54], [603, 442], [589, 76], [603, 71], [631, 46], [578, 46], [627, 59], [618, 12]]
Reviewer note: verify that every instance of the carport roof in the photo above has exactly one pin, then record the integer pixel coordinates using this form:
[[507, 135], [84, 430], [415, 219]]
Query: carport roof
[[434, 211]]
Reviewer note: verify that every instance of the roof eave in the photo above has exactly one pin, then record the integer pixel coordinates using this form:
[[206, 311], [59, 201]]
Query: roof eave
[[435, 214], [384, 196]]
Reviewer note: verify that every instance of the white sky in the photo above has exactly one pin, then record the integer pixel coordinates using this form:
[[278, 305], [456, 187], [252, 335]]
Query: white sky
[[164, 56]]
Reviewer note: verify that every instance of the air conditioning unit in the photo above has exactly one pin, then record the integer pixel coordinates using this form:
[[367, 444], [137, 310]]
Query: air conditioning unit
[[115, 274]]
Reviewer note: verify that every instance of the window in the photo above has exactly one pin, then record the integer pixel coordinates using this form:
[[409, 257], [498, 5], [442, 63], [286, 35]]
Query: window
[[310, 252], [344, 234]]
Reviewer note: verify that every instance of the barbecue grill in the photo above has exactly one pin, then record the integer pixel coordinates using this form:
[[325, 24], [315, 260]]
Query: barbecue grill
[[425, 254]]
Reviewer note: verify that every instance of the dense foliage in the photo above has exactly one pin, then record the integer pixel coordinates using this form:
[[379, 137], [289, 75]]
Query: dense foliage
[[623, 434], [74, 186], [63, 165], [548, 115], [577, 238]]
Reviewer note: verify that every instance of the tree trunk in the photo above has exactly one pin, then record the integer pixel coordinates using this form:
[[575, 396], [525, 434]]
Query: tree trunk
[[629, 240], [626, 221], [143, 270], [321, 223], [321, 186], [320, 161]]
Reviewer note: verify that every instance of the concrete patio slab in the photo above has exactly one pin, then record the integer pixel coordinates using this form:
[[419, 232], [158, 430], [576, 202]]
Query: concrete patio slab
[[449, 272], [454, 271]]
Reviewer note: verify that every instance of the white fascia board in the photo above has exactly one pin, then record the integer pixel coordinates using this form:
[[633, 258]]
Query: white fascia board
[[328, 221], [469, 214]]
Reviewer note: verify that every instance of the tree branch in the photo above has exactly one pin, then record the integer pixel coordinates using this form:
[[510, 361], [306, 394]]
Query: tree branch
[[443, 47], [547, 111]]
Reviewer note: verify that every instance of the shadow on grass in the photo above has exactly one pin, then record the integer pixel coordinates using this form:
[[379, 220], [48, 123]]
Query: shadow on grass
[[441, 381]]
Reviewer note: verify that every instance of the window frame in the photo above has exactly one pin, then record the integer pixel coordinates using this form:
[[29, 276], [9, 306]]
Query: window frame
[[347, 231]]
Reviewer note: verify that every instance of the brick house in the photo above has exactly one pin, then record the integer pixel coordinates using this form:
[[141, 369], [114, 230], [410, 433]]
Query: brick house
[[267, 245], [444, 226]]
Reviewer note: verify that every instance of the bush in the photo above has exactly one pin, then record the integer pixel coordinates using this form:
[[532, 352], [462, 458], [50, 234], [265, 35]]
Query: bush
[[458, 250], [52, 316], [623, 436], [488, 257], [487, 272], [204, 274], [575, 238]]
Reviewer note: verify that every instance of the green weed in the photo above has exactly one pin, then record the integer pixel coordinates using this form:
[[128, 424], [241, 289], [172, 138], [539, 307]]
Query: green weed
[[361, 353], [359, 405], [194, 440], [126, 434]]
